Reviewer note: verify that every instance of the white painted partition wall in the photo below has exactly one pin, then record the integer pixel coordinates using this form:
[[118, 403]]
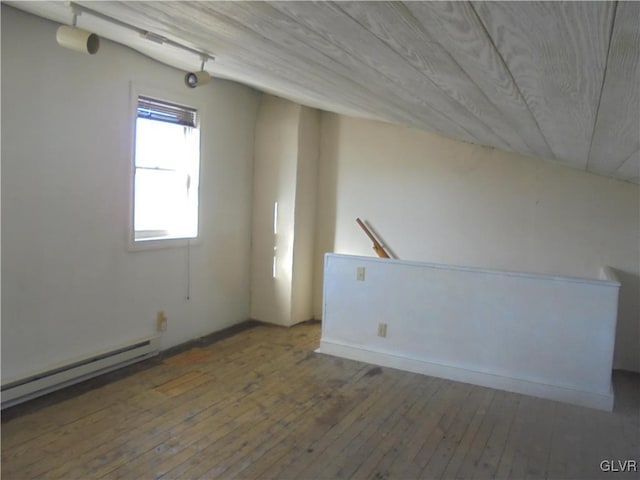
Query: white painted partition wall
[[541, 335]]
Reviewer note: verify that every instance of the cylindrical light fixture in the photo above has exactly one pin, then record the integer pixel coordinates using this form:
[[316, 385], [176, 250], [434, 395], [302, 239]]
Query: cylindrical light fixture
[[195, 79], [77, 39]]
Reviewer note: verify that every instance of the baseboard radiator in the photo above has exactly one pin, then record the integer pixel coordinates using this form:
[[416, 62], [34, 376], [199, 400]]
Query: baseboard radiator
[[16, 391]]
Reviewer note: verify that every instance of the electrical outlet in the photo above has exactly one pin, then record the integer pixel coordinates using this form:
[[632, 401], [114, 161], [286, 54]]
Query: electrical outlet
[[360, 274], [382, 329], [161, 321]]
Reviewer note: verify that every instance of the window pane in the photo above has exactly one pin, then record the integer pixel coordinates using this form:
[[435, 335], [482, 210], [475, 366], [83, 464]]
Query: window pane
[[160, 144], [163, 204]]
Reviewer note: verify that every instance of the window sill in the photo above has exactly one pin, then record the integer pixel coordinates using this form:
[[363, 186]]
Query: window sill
[[165, 242]]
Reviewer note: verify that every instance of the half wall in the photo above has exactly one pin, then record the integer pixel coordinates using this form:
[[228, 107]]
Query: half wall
[[541, 335]]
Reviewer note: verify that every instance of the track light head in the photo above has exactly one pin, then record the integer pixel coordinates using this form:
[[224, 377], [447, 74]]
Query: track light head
[[195, 79], [77, 39]]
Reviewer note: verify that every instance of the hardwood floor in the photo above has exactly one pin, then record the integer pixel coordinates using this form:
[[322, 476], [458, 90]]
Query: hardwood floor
[[261, 404]]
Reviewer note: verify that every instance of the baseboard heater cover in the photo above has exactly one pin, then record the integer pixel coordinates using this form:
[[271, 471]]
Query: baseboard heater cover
[[37, 384]]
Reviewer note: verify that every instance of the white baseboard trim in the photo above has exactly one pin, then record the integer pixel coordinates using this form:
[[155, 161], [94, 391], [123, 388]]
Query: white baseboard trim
[[509, 384]]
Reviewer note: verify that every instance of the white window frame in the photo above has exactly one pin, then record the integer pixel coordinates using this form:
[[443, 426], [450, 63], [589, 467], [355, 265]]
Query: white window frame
[[169, 97]]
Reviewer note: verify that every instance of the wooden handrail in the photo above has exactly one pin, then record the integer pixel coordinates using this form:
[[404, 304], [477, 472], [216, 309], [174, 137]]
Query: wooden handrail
[[377, 247]]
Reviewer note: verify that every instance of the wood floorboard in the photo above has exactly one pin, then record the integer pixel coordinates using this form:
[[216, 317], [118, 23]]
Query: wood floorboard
[[539, 438], [217, 406], [294, 391], [424, 394], [273, 428], [199, 439], [379, 425], [471, 463], [380, 442], [494, 448], [307, 442], [461, 447], [436, 425], [261, 404], [241, 465], [454, 434], [279, 459]]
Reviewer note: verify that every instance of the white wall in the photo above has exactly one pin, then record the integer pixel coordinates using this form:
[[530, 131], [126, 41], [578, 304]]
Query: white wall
[[276, 158], [438, 200], [70, 285], [305, 214], [286, 152]]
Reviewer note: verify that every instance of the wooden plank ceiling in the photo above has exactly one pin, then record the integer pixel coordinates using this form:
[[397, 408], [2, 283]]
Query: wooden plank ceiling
[[557, 80]]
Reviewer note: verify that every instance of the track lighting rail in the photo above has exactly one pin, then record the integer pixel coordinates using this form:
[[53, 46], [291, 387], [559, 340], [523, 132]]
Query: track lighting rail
[[77, 9]]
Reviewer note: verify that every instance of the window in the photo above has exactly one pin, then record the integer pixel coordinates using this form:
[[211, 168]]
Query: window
[[167, 163]]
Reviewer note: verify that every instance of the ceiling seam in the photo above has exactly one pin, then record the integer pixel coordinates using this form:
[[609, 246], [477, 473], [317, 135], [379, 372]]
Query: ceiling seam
[[626, 160], [602, 85], [243, 28], [401, 87], [276, 74], [398, 113], [421, 73], [513, 79], [422, 28], [391, 110]]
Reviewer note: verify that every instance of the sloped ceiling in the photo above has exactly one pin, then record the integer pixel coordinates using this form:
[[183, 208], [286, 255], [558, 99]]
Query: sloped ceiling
[[559, 81]]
